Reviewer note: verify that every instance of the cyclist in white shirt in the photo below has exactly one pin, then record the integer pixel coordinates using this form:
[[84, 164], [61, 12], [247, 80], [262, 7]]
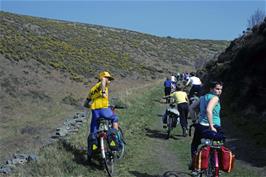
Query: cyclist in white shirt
[[196, 84]]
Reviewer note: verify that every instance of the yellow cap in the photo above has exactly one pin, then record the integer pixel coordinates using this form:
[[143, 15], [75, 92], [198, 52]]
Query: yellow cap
[[105, 74]]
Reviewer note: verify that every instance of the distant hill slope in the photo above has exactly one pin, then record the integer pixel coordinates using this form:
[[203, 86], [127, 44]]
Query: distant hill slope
[[83, 49]]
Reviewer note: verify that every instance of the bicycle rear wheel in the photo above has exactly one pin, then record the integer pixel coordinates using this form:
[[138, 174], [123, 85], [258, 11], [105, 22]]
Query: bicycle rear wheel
[[107, 157], [210, 172], [169, 126]]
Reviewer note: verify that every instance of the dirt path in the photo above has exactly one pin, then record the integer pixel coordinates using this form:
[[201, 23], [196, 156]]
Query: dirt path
[[162, 149]]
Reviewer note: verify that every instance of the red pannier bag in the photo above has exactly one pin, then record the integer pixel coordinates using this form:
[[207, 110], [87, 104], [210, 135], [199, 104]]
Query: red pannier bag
[[201, 159], [226, 159]]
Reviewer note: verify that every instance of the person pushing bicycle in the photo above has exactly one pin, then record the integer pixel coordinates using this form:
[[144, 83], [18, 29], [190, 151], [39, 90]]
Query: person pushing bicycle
[[181, 100]]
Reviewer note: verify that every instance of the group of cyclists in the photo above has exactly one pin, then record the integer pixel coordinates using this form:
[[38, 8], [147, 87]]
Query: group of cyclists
[[208, 120], [204, 109]]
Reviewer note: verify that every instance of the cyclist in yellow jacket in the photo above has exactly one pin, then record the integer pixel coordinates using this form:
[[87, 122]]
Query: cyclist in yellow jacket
[[181, 100], [99, 104]]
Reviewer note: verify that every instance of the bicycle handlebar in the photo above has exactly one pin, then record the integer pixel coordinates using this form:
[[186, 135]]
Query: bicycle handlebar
[[118, 107]]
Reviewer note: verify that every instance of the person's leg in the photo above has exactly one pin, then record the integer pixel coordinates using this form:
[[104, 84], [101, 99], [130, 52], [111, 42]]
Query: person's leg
[[108, 114], [197, 137], [168, 92], [92, 139], [183, 117], [185, 108], [191, 92], [165, 91]]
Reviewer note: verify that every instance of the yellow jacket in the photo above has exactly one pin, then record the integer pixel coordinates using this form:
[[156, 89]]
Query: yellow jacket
[[96, 96], [180, 97]]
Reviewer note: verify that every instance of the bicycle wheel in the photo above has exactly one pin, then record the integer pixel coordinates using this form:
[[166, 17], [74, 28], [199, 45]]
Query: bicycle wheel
[[210, 171], [107, 157], [109, 164], [169, 126], [120, 153]]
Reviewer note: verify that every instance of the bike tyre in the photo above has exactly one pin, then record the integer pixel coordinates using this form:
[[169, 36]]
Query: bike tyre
[[106, 157], [210, 171], [109, 165], [121, 152], [169, 126]]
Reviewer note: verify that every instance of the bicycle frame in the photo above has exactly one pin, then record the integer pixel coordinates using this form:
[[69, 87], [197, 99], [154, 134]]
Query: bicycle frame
[[103, 137]]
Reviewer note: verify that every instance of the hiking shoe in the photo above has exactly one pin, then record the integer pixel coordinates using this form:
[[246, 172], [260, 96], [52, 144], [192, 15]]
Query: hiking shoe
[[185, 132], [195, 172], [164, 126]]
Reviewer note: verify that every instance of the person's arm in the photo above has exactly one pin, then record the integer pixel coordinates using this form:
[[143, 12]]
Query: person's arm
[[87, 102], [188, 82], [192, 109], [103, 86], [168, 96], [209, 110]]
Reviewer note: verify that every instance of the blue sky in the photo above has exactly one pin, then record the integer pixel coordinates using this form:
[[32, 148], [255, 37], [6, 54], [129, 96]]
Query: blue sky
[[218, 20]]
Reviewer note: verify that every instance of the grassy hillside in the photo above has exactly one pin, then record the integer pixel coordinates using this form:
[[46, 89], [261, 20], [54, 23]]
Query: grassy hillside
[[82, 49]]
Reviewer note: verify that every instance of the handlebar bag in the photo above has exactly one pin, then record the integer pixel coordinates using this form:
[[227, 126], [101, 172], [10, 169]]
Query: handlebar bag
[[201, 159], [226, 159]]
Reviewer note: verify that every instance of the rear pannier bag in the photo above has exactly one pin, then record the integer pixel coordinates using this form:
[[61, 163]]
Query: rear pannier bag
[[112, 139], [201, 159], [226, 159]]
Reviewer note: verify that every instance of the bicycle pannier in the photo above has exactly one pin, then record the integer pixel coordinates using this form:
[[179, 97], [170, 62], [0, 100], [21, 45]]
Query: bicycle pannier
[[112, 139], [201, 159], [227, 159]]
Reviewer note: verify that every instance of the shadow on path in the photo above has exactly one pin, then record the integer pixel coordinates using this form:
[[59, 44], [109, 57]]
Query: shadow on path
[[155, 134], [244, 149], [247, 152], [139, 174], [79, 155], [176, 174]]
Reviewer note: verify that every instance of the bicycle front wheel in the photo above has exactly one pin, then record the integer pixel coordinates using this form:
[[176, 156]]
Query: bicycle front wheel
[[121, 152], [109, 165]]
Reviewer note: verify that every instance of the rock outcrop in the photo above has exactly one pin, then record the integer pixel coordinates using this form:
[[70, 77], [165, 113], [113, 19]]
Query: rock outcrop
[[242, 69]]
